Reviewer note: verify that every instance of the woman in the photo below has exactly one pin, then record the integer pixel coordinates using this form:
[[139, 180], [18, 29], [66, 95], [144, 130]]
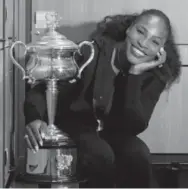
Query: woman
[[135, 61]]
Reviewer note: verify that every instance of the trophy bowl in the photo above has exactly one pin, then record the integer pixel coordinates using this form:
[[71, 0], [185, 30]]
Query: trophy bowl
[[52, 58]]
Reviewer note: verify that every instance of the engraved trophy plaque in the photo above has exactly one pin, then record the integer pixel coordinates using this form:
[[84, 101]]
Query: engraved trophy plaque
[[51, 58]]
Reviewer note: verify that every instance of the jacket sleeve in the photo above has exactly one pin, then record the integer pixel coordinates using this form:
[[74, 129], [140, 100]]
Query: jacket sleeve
[[35, 105], [35, 102], [139, 104]]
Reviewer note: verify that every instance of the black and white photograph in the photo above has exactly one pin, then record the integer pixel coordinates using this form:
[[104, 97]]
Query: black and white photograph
[[93, 94]]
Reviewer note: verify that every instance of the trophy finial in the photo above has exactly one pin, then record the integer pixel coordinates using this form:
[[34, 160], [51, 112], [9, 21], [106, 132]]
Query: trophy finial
[[52, 20]]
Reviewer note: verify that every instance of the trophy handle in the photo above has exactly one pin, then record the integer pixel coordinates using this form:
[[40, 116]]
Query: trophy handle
[[90, 44], [13, 59]]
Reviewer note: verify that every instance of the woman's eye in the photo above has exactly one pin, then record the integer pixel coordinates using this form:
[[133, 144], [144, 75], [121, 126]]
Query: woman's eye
[[140, 31], [156, 42]]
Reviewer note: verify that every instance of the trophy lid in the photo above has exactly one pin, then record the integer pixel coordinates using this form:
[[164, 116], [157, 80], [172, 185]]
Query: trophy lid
[[52, 40]]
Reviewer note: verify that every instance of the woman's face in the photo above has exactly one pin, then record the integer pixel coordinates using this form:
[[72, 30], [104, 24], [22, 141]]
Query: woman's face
[[145, 39]]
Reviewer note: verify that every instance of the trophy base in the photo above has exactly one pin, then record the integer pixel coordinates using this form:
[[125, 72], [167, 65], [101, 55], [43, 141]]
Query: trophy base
[[55, 137], [54, 163], [40, 179], [47, 182], [49, 144]]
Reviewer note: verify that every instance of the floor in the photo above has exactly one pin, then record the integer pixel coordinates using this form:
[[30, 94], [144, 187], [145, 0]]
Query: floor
[[165, 175], [163, 178]]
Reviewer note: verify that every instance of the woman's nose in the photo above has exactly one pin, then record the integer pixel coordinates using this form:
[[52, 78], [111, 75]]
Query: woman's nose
[[143, 43]]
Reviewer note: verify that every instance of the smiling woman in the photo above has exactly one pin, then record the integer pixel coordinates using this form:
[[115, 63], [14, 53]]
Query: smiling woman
[[145, 38], [148, 35]]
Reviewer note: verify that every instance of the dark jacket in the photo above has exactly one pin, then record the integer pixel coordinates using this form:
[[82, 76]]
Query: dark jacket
[[126, 101]]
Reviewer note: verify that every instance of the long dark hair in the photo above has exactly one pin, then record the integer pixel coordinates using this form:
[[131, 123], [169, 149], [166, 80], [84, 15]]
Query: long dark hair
[[115, 27]]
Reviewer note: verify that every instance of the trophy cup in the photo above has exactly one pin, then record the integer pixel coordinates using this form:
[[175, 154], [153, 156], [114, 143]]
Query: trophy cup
[[51, 58]]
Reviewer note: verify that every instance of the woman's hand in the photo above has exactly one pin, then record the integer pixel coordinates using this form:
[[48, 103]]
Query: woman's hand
[[33, 134], [140, 68]]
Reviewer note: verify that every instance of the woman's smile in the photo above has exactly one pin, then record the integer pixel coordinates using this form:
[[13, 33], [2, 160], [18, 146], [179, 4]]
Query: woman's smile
[[137, 52]]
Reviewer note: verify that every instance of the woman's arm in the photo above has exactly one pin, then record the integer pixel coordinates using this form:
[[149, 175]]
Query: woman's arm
[[35, 104], [140, 102]]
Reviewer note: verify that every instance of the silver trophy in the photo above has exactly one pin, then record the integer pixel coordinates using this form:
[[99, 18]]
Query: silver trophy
[[52, 58]]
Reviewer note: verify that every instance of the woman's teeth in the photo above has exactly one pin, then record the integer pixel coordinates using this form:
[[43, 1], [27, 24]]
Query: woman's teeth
[[138, 52]]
